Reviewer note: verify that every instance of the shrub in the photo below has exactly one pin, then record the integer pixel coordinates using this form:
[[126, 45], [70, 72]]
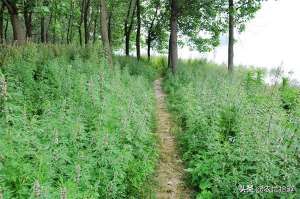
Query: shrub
[[236, 131], [68, 125]]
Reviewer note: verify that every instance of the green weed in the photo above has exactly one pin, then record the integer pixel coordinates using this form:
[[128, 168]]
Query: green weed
[[237, 131]]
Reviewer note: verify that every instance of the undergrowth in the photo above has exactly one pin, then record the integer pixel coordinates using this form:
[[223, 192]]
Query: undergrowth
[[240, 137], [71, 128]]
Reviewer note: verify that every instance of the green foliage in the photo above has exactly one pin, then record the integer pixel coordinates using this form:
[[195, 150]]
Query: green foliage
[[69, 126], [236, 130], [289, 96], [136, 68]]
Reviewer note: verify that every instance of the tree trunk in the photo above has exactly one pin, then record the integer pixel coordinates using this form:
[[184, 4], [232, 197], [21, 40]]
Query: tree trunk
[[149, 45], [81, 21], [54, 30], [127, 43], [231, 36], [69, 29], [43, 35], [170, 52], [1, 24], [28, 20], [173, 48], [6, 30], [70, 23], [128, 25], [104, 33], [28, 24], [138, 31], [45, 23], [18, 32], [85, 21], [110, 29]]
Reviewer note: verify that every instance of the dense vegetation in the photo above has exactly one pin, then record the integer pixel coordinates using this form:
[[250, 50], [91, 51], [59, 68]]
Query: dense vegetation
[[71, 127], [122, 24], [236, 130], [77, 121]]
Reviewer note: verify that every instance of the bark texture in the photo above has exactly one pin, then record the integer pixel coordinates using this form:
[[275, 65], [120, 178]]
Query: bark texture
[[1, 24], [104, 32], [18, 31], [86, 21], [28, 19], [128, 25], [231, 36], [173, 48], [138, 31]]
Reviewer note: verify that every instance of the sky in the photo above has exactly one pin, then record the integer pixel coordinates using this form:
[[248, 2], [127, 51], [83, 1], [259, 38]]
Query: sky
[[271, 39]]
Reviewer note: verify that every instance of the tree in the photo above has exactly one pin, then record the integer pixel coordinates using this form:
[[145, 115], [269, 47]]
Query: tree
[[200, 24], [86, 9], [138, 31], [70, 22], [231, 35], [28, 11], [2, 23], [43, 10], [173, 47], [128, 25], [104, 32], [239, 12], [155, 21], [18, 31]]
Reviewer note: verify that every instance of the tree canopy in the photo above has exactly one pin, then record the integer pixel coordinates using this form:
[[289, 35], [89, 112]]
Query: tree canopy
[[147, 23]]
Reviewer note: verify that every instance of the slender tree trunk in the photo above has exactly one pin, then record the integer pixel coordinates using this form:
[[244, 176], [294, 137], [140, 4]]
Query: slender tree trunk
[[170, 52], [85, 21], [69, 29], [18, 32], [2, 24], [149, 45], [43, 35], [150, 33], [54, 30], [138, 31], [45, 23], [81, 21], [28, 20], [70, 22], [104, 32], [96, 17], [6, 30], [231, 36], [28, 24], [173, 48], [128, 25], [110, 29], [127, 43]]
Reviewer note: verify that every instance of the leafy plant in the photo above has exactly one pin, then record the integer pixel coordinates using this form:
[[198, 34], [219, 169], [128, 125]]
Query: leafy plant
[[71, 128], [236, 131]]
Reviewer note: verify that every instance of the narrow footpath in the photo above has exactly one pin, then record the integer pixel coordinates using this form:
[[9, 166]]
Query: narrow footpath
[[170, 170]]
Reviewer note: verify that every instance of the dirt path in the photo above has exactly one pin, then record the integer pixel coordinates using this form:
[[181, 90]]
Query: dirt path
[[170, 170]]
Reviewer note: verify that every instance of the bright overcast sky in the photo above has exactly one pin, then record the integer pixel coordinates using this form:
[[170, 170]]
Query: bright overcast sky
[[271, 39]]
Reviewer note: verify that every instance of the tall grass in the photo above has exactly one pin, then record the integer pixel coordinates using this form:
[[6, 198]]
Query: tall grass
[[69, 127], [240, 138]]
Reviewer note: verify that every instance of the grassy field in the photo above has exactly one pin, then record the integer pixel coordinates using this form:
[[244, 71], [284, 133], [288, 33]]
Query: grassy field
[[72, 127], [240, 138]]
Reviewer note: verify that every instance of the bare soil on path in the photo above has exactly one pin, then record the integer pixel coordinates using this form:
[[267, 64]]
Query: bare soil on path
[[170, 171]]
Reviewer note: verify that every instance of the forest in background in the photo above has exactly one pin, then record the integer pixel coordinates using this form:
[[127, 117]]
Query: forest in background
[[159, 25]]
